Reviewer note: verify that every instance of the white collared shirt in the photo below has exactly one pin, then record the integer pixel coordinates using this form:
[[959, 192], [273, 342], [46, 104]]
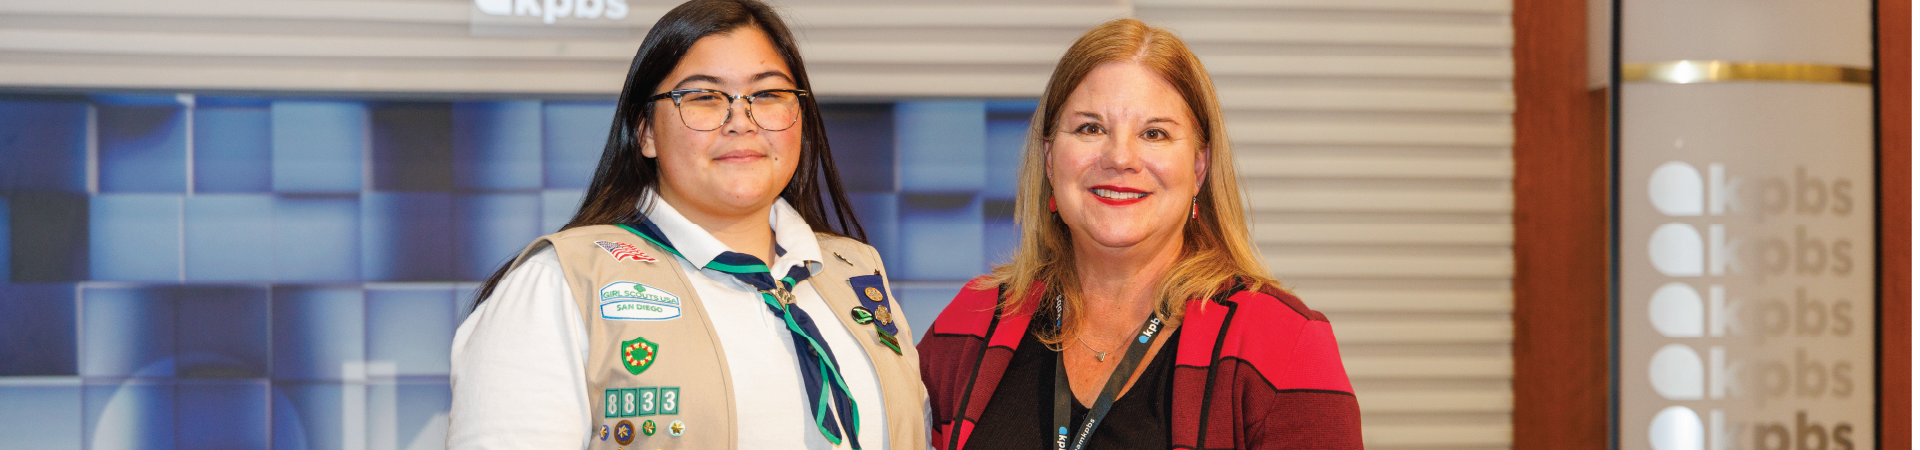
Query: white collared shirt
[[519, 361]]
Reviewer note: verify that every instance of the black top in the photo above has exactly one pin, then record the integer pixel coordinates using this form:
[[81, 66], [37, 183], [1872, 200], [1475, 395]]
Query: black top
[[1020, 416]]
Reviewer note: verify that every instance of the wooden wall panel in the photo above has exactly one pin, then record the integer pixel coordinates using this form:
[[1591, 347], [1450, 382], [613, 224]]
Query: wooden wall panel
[[1560, 233], [1895, 27]]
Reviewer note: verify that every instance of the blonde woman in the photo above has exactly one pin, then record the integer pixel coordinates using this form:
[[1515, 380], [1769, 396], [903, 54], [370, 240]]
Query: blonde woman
[[1136, 312]]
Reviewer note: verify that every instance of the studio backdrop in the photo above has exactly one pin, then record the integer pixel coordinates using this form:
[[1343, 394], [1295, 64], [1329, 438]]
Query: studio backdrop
[[253, 224]]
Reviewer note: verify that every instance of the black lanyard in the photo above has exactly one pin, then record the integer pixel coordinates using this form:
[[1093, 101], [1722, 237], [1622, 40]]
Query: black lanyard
[[1063, 391]]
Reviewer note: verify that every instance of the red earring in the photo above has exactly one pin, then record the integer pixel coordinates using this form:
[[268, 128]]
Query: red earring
[[1196, 211], [1051, 207]]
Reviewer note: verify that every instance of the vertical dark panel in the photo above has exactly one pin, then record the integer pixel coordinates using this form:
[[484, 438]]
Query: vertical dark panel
[[1895, 64], [412, 146], [862, 139], [37, 330], [1560, 234], [49, 236], [221, 331], [44, 145]]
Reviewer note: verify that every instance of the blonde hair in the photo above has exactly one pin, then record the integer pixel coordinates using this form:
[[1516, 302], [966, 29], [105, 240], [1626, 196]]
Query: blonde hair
[[1217, 247]]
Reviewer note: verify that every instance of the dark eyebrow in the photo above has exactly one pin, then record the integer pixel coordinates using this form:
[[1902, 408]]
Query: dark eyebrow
[[697, 78], [716, 80], [773, 74]]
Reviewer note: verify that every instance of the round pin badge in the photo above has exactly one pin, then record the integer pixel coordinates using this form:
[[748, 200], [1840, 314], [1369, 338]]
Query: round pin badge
[[677, 428], [648, 428], [861, 315], [623, 432]]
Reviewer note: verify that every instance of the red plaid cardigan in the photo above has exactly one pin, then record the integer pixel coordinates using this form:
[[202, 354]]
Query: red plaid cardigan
[[1255, 370]]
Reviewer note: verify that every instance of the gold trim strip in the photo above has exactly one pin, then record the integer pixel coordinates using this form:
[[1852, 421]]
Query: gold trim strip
[[1702, 71]]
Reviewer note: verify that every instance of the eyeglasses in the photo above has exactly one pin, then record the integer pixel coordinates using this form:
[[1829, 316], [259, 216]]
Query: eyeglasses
[[709, 109]]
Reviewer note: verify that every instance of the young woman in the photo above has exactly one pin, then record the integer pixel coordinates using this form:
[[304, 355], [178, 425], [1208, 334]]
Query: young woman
[[1136, 312], [707, 294]]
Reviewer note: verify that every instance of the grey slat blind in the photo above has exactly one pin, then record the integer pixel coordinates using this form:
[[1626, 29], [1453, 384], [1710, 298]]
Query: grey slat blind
[[1376, 144]]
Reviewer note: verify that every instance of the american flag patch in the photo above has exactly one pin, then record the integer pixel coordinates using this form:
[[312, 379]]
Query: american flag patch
[[622, 251]]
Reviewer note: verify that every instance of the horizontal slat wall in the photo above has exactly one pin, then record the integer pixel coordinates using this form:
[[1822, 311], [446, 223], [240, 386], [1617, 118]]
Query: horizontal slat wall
[[1375, 142], [853, 48]]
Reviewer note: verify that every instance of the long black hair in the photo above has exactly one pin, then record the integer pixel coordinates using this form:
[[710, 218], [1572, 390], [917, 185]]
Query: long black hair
[[624, 175]]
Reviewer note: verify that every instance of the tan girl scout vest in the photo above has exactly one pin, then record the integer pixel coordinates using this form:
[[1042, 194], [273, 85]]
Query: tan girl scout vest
[[661, 382]]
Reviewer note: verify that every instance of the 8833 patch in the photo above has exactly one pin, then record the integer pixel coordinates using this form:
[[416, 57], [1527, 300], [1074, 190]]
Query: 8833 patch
[[642, 401]]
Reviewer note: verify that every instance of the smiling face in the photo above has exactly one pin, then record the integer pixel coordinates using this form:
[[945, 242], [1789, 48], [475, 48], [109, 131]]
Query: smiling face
[[739, 168], [1126, 159]]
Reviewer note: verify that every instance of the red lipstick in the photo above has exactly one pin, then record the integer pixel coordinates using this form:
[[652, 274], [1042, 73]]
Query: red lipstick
[[1118, 189]]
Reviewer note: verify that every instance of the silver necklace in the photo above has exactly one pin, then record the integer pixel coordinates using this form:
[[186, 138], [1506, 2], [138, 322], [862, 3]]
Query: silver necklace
[[1097, 354], [1060, 307]]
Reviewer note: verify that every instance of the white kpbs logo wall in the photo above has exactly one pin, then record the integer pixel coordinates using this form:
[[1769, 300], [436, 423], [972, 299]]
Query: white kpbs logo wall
[[1746, 268], [552, 11]]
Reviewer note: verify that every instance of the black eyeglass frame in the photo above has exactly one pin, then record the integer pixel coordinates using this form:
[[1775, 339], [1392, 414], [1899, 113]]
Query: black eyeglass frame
[[678, 93]]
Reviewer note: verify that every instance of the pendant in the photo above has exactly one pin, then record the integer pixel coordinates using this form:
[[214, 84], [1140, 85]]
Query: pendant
[[1100, 356]]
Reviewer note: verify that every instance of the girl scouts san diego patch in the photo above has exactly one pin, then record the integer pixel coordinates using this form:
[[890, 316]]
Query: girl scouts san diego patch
[[627, 300]]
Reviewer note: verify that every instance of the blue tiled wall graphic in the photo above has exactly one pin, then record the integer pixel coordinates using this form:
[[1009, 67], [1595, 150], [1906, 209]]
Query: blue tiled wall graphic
[[193, 271], [143, 143], [318, 146]]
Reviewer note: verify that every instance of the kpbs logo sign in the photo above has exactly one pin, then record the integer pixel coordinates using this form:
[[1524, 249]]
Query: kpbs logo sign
[[551, 11]]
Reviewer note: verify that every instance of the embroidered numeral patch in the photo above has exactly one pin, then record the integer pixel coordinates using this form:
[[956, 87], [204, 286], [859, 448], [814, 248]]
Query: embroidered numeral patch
[[629, 402], [669, 401], [613, 403], [649, 401], [645, 401]]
